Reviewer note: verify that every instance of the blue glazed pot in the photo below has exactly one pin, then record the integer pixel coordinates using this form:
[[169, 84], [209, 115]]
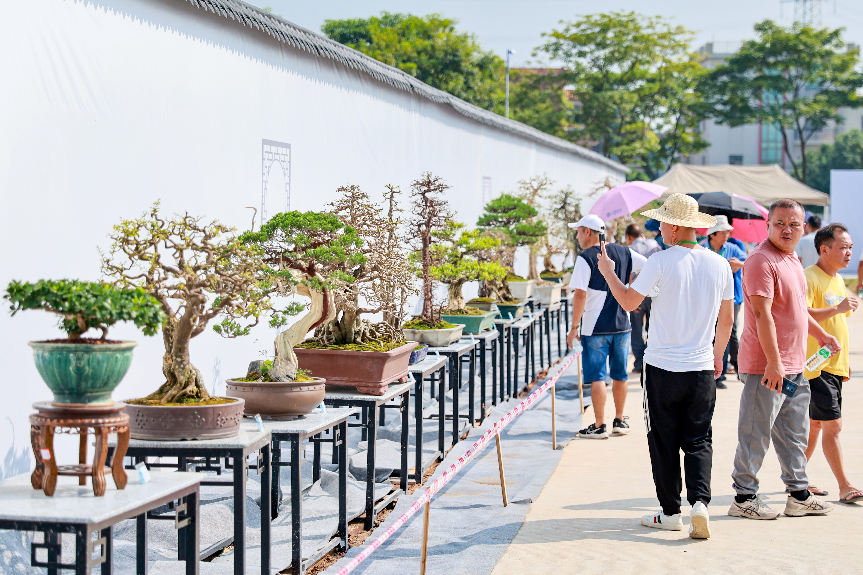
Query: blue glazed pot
[[80, 373], [418, 355]]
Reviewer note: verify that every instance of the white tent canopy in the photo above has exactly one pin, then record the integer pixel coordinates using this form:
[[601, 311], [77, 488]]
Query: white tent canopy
[[764, 184]]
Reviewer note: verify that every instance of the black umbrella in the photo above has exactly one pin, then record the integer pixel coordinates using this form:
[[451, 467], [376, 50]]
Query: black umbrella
[[721, 203]]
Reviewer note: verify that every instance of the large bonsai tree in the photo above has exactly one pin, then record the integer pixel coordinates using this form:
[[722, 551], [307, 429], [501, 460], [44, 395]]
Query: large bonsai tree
[[564, 209], [458, 261], [86, 305], [431, 212], [379, 273], [533, 191], [196, 272], [304, 252]]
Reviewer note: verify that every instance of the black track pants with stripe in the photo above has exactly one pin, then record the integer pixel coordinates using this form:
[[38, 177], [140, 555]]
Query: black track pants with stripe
[[678, 410]]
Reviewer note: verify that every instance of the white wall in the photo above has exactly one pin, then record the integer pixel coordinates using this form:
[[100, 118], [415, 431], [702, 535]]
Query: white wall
[[107, 107], [846, 207]]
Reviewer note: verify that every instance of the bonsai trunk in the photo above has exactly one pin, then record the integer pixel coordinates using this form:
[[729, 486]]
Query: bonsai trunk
[[182, 379], [532, 271], [427, 314], [548, 264], [456, 297], [322, 310]]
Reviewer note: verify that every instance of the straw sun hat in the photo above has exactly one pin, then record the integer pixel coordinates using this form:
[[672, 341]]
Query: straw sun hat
[[681, 210]]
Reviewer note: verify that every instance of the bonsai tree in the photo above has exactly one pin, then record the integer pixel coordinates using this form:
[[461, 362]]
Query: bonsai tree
[[303, 252], [196, 272], [564, 209], [458, 261], [380, 277], [431, 212], [86, 305], [512, 220], [532, 191]]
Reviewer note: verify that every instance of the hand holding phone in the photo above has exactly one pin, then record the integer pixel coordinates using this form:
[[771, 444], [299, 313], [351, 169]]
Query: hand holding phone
[[789, 388]]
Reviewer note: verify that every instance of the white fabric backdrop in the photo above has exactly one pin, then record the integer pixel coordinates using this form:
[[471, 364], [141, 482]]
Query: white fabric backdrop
[[109, 106], [846, 189]]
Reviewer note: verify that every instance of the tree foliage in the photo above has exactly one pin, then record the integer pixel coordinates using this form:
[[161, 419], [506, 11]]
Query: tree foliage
[[87, 305], [845, 154], [428, 48], [538, 98], [457, 262], [793, 78], [635, 84]]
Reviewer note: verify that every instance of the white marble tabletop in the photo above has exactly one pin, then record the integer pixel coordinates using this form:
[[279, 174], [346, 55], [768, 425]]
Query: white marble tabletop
[[73, 503], [505, 322], [248, 436], [351, 394], [486, 335], [310, 423], [428, 365], [460, 347]]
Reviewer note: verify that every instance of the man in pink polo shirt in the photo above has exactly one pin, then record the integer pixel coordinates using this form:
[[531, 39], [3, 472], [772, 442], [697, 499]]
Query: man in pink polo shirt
[[773, 347]]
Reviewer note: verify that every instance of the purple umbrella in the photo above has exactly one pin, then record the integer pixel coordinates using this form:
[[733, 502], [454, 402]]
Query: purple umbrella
[[625, 199]]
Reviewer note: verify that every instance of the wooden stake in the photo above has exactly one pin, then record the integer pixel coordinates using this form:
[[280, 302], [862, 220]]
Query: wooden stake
[[425, 545], [580, 386], [500, 466], [553, 422]]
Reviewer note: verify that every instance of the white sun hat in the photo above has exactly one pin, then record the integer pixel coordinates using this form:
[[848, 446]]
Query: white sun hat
[[722, 225], [591, 221], [681, 210]]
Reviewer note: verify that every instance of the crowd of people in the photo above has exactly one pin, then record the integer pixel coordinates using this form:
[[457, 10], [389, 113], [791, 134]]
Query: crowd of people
[[687, 295]]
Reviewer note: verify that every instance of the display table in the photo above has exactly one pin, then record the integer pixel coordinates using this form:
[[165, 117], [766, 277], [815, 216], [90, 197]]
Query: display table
[[453, 352], [199, 455], [433, 368], [524, 328], [487, 342], [369, 405], [504, 345], [296, 431], [74, 509]]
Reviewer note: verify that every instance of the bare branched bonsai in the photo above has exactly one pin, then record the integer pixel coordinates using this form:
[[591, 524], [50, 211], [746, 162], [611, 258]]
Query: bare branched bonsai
[[431, 212], [564, 209], [457, 253], [381, 277], [197, 272], [533, 191], [304, 253]]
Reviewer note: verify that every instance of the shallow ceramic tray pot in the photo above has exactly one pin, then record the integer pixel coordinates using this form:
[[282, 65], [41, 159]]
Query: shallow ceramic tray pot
[[417, 355], [367, 371], [277, 399], [473, 323], [177, 422], [82, 373], [483, 305], [510, 311], [555, 279], [522, 290], [549, 294], [436, 337]]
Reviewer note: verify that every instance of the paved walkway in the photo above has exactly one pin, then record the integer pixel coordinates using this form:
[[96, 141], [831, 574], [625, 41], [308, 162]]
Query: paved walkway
[[587, 517]]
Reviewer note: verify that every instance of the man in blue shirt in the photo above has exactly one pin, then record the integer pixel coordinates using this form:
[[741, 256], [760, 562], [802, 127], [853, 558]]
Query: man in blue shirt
[[719, 241]]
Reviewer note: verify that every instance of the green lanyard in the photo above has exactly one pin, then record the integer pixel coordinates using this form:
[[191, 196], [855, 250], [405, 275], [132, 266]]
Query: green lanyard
[[687, 242]]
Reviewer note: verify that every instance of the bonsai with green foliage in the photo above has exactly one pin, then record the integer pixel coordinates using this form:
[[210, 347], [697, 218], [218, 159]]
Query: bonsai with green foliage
[[457, 261], [197, 272], [87, 305]]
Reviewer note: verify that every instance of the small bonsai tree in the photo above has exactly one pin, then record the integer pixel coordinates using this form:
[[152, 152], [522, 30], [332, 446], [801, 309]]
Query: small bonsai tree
[[564, 209], [196, 272], [514, 222], [431, 212], [381, 276], [86, 305], [456, 254], [533, 191], [303, 252]]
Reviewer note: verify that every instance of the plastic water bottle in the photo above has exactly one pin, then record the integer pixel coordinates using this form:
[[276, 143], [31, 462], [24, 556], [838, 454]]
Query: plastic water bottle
[[818, 358]]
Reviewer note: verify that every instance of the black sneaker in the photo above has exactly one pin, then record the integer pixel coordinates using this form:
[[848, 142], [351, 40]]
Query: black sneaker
[[620, 427], [720, 385], [593, 432]]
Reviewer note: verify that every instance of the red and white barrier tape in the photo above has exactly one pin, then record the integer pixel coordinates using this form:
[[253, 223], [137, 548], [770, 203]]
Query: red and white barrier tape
[[447, 475]]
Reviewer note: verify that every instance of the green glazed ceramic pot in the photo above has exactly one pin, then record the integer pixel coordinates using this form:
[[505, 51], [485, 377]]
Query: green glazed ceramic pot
[[473, 323], [80, 373], [510, 311]]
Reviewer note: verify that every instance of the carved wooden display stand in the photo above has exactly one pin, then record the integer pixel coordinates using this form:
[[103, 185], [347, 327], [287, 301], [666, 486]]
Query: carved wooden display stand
[[83, 420]]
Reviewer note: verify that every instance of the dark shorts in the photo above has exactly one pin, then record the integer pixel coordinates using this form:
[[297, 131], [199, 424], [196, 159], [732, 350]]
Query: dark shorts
[[826, 402]]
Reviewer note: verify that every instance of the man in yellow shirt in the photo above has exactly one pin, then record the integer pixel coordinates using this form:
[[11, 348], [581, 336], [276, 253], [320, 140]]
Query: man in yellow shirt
[[829, 304]]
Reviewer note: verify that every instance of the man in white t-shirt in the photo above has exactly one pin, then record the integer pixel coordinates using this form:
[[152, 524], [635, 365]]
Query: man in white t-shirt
[[805, 249], [692, 288]]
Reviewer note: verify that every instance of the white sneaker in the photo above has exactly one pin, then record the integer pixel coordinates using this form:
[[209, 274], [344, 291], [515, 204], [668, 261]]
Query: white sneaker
[[699, 521], [662, 521], [753, 509], [812, 506]]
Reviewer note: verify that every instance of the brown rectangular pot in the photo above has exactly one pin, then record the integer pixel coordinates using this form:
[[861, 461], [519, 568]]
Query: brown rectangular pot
[[367, 371]]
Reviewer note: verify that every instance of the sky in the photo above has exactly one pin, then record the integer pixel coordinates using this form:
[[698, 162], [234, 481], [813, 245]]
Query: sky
[[518, 24]]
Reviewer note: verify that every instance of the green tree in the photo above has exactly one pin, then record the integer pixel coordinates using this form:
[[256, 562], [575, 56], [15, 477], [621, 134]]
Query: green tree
[[845, 154], [457, 261], [537, 98], [635, 83], [793, 78], [428, 48]]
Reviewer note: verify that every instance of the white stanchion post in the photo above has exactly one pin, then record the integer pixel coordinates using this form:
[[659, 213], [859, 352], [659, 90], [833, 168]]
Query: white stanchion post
[[500, 466], [553, 422], [425, 545]]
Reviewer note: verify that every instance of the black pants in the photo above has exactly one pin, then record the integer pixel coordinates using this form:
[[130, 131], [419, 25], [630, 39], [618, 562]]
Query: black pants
[[678, 410], [640, 321]]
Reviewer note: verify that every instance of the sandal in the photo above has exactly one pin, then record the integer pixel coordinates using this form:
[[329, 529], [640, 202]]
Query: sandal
[[819, 492], [852, 496]]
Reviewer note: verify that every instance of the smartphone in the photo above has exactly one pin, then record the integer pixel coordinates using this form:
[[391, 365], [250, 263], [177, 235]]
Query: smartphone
[[601, 238], [789, 388]]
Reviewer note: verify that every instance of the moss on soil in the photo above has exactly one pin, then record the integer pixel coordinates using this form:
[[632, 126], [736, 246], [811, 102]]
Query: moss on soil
[[88, 341], [418, 324], [189, 401], [552, 275], [466, 311], [482, 300], [515, 278], [371, 346], [302, 376], [419, 347]]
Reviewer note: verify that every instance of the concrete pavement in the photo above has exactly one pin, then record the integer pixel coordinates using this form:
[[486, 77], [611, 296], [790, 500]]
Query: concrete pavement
[[587, 517]]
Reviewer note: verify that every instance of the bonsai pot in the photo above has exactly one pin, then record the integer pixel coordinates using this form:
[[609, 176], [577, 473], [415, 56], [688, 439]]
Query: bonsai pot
[[367, 371], [176, 422], [473, 323], [82, 373], [549, 294], [276, 399], [555, 279], [483, 305], [567, 277], [510, 311], [436, 337], [521, 289], [417, 355]]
